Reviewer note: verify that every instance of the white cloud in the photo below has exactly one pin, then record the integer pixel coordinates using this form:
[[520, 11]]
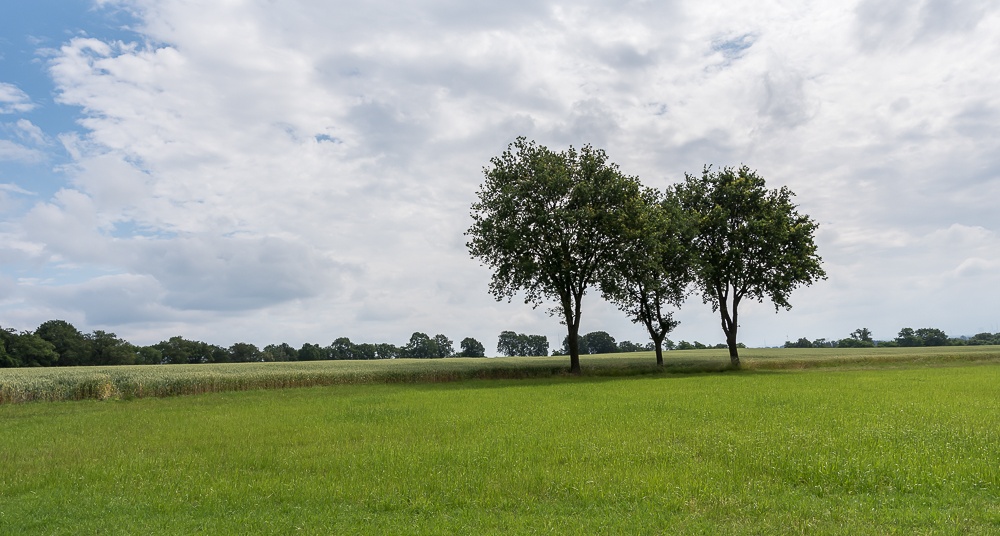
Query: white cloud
[[304, 171], [14, 100], [15, 152], [30, 132]]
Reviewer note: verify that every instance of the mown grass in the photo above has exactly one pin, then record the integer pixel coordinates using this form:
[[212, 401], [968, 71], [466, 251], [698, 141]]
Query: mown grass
[[126, 382], [904, 450]]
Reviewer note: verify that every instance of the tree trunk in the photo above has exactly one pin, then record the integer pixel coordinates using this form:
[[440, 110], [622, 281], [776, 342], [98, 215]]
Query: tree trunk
[[574, 349], [734, 355], [730, 326], [658, 343]]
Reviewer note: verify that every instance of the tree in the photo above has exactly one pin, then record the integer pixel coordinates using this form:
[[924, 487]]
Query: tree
[[385, 350], [148, 355], [69, 342], [550, 225], [522, 344], [178, 350], [420, 347], [443, 346], [654, 269], [245, 352], [508, 344], [279, 352], [30, 350], [471, 348], [599, 342], [932, 337], [365, 350], [908, 338], [984, 338], [801, 343], [863, 335], [7, 359], [750, 243], [108, 349], [341, 348], [535, 345]]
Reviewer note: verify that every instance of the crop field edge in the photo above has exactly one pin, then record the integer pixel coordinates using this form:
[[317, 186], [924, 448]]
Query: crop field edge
[[141, 381]]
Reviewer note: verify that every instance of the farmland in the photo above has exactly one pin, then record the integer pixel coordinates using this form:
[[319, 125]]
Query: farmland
[[801, 442], [139, 381]]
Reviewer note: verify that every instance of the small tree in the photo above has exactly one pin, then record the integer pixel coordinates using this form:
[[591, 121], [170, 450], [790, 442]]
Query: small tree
[[471, 348], [535, 345], [550, 225], [654, 269], [508, 344], [599, 342], [443, 346], [750, 243], [932, 337]]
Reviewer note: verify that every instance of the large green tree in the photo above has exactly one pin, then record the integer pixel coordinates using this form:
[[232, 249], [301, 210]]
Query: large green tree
[[654, 269], [107, 349], [750, 243], [71, 345], [472, 348], [550, 224]]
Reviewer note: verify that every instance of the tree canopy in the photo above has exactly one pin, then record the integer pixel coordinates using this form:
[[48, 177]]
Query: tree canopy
[[750, 243], [653, 271], [550, 224]]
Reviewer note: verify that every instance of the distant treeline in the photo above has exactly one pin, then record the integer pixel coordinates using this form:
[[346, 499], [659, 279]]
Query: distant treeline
[[600, 342], [59, 343], [907, 338]]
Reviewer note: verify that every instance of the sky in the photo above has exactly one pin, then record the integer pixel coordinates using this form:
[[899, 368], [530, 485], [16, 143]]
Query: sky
[[298, 171]]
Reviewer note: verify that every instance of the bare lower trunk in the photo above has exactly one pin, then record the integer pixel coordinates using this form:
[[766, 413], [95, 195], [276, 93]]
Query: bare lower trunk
[[729, 327], [574, 351], [571, 310], [658, 344], [734, 355]]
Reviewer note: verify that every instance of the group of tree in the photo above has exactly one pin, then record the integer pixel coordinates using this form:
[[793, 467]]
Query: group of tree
[[511, 344], [907, 337], [600, 342], [59, 343], [553, 225]]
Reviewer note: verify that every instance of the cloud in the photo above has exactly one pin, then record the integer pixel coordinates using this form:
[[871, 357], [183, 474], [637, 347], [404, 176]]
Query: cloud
[[15, 152], [247, 171], [14, 100]]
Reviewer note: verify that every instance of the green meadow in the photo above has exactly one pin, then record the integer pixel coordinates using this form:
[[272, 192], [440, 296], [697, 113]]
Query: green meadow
[[796, 443]]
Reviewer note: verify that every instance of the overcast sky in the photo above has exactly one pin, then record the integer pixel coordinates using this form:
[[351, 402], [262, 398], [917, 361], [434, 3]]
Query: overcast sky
[[299, 171]]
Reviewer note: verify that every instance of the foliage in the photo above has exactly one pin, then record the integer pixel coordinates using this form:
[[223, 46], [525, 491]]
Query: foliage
[[629, 346], [421, 346], [551, 225], [30, 350], [179, 351], [71, 345], [801, 343], [860, 338], [751, 243], [984, 339], [521, 344], [471, 348], [108, 349], [654, 268], [595, 342]]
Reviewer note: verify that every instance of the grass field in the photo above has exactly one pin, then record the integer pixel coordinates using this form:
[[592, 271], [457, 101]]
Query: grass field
[[880, 444]]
